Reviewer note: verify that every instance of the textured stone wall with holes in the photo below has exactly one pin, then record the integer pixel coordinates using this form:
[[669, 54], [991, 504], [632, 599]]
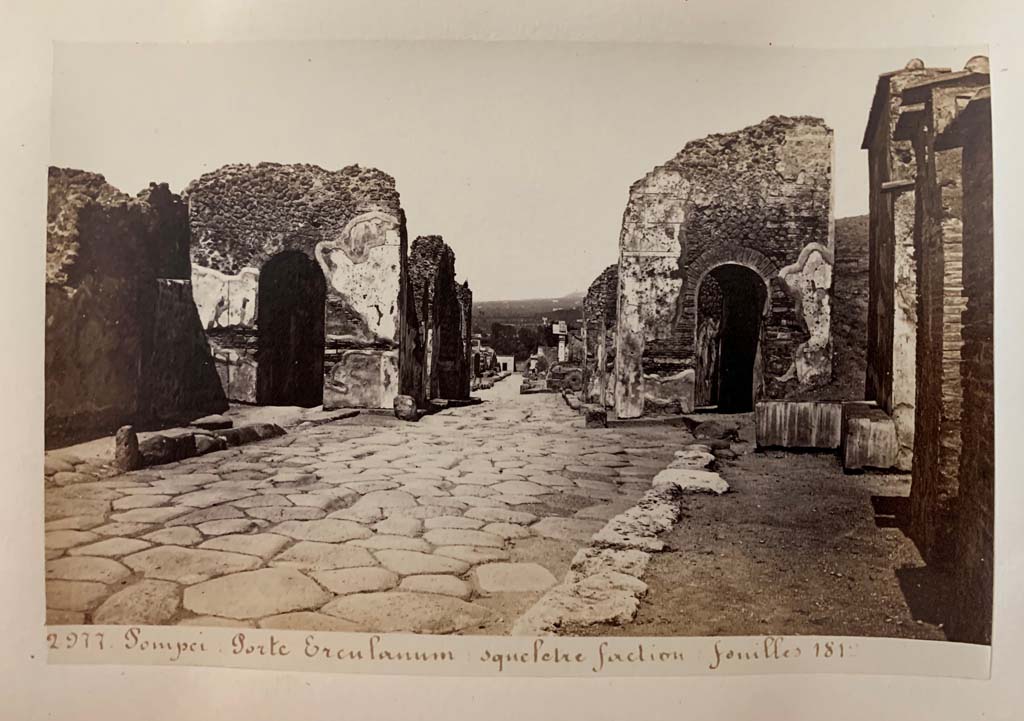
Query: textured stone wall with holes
[[350, 222], [759, 197], [123, 340], [600, 307]]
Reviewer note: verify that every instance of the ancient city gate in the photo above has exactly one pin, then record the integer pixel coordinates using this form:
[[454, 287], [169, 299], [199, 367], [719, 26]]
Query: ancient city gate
[[725, 272], [297, 274]]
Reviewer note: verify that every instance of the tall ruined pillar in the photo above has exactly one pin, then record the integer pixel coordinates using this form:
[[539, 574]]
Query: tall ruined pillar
[[892, 300], [928, 108]]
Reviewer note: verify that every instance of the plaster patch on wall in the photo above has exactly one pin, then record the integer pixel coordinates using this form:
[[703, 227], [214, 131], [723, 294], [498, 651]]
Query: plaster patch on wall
[[224, 300], [809, 283], [362, 264]]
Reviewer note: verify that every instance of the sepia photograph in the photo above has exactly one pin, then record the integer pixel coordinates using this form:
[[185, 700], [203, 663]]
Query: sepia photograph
[[510, 339]]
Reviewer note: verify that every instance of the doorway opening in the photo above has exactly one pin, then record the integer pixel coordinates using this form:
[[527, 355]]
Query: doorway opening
[[730, 304], [290, 317]]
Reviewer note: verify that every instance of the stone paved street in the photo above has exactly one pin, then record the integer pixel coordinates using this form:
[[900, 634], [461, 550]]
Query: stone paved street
[[457, 523]]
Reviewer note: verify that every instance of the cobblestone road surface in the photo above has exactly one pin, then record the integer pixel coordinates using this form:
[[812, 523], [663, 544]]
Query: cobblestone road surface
[[457, 523]]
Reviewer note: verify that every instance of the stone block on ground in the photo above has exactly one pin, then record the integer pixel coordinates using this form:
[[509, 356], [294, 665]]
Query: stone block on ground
[[161, 449], [127, 456], [798, 424], [595, 416], [689, 480], [512, 577], [146, 602], [405, 408], [869, 438], [606, 597], [253, 594], [401, 611], [213, 422]]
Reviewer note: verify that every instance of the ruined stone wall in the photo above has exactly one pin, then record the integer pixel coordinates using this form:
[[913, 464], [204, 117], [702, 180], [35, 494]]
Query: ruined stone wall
[[760, 198], [350, 222], [122, 338], [465, 362], [439, 319], [600, 308], [971, 619], [892, 303]]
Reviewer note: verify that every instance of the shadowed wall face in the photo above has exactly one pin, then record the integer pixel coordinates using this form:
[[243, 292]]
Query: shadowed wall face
[[735, 373], [290, 311], [123, 340]]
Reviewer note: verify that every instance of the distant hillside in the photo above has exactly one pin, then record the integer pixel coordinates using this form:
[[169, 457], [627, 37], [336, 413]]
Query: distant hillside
[[528, 312]]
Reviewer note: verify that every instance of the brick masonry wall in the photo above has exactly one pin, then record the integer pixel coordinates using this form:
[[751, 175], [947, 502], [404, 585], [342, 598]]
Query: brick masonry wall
[[759, 197], [971, 620]]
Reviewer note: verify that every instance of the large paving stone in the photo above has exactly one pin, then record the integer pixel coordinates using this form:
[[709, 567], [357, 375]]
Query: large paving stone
[[212, 497], [400, 543], [478, 478], [263, 545], [567, 529], [520, 488], [110, 547], [177, 536], [453, 522], [55, 617], [74, 595], [146, 602], [149, 515], [399, 612], [312, 555], [443, 585], [262, 501], [139, 501], [399, 526], [386, 499], [120, 528], [253, 594], [507, 531], [69, 539], [327, 530], [74, 523], [409, 563], [462, 537], [308, 621], [512, 577], [215, 621], [187, 565], [501, 515], [356, 580], [472, 554], [277, 514], [226, 526], [87, 568]]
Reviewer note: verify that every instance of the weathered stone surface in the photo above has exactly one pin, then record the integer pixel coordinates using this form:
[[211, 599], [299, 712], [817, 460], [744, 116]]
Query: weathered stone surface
[[398, 612], [356, 580], [68, 539], [327, 530], [55, 617], [790, 424], [472, 554], [399, 526], [312, 555], [501, 515], [87, 568], [110, 547], [405, 408], [453, 522], [187, 565], [252, 594], [566, 529], [177, 536], [212, 422], [869, 438], [212, 497], [277, 514], [592, 561], [126, 449], [308, 621], [146, 602], [149, 515], [507, 530], [691, 481], [409, 563], [215, 621], [462, 537], [602, 598], [443, 585], [74, 595], [512, 577], [263, 545]]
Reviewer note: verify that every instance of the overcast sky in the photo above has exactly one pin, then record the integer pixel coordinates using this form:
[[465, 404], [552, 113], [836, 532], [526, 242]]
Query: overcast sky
[[520, 155]]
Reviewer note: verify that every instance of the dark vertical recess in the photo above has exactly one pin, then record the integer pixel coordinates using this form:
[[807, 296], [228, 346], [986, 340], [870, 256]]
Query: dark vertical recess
[[290, 318]]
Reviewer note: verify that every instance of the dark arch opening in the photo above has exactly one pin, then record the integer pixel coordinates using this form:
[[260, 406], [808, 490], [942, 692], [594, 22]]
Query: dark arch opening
[[730, 302], [290, 319]]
